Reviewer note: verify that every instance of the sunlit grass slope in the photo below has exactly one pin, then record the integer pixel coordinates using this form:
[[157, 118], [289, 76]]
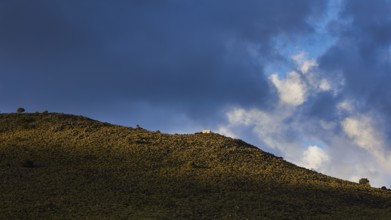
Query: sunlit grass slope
[[57, 166]]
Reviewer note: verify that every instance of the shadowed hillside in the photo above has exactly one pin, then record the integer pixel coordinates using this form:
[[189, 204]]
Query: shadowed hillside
[[65, 166]]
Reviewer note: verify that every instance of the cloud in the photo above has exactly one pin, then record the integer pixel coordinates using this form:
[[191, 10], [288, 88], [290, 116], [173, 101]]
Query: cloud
[[365, 133], [359, 54], [196, 56], [349, 148], [269, 130], [281, 127], [314, 157], [224, 66], [340, 140], [345, 106], [292, 90], [359, 57], [361, 130], [305, 64], [324, 85], [299, 84]]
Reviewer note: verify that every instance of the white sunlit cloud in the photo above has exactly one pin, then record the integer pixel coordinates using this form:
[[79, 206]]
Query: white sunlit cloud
[[270, 126], [324, 85], [295, 88], [292, 90], [267, 126], [362, 130], [314, 157], [305, 64], [345, 107], [358, 151]]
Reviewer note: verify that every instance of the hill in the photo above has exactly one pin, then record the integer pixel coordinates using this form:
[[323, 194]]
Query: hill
[[58, 166]]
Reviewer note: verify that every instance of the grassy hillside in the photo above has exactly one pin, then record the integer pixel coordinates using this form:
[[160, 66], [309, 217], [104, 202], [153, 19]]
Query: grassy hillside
[[57, 166]]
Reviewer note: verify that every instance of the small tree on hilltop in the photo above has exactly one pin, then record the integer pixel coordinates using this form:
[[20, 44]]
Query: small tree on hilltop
[[20, 110], [364, 181]]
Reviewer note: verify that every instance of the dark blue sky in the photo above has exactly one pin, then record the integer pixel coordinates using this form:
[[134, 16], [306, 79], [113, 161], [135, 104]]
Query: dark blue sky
[[308, 80]]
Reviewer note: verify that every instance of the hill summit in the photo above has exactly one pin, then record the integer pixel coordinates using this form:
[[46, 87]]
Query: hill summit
[[64, 166]]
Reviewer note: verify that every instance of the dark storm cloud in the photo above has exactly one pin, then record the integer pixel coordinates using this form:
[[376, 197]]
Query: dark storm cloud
[[362, 55], [322, 107], [362, 52], [195, 56]]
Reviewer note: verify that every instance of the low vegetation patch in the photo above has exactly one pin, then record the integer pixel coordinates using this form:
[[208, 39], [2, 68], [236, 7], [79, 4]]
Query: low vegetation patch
[[58, 166]]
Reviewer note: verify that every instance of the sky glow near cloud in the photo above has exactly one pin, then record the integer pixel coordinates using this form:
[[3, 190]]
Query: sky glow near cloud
[[291, 90], [286, 130], [307, 80], [314, 157]]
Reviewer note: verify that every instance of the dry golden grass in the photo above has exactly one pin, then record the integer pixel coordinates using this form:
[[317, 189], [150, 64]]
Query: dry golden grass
[[57, 166]]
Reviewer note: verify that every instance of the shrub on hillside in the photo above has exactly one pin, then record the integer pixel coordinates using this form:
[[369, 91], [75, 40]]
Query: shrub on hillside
[[20, 110], [364, 181]]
